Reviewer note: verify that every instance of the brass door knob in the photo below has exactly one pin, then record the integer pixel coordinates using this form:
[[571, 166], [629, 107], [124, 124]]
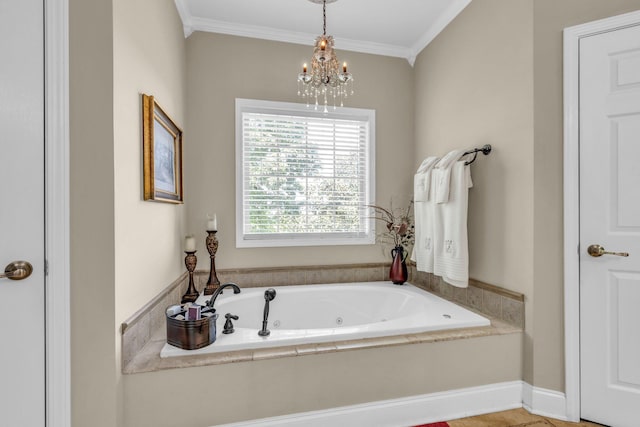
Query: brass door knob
[[17, 270], [598, 251]]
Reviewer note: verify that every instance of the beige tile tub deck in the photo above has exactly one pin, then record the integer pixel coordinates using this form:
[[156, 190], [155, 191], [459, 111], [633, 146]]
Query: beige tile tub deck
[[149, 360]]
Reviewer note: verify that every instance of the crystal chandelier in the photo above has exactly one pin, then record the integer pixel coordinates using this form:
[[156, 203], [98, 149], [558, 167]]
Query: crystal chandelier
[[325, 80]]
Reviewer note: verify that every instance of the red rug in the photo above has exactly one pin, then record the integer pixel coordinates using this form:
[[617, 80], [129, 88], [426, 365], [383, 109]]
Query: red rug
[[434, 425]]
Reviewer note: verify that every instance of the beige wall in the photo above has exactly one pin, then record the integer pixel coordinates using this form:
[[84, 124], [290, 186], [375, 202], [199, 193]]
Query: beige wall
[[149, 56], [494, 75], [92, 246], [222, 68], [149, 52], [123, 250], [474, 86], [550, 17], [249, 390]]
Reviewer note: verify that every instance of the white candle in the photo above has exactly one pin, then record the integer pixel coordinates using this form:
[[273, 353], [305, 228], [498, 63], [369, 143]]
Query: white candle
[[212, 223], [189, 244]]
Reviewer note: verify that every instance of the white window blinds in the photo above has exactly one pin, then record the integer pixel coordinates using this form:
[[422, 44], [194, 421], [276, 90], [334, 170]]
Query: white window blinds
[[304, 178]]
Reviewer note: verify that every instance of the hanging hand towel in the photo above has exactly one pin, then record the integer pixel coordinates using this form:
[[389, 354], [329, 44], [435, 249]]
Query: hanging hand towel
[[451, 251], [442, 175], [422, 180], [423, 216]]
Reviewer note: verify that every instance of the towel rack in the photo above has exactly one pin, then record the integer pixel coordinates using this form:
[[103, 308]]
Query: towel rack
[[486, 149]]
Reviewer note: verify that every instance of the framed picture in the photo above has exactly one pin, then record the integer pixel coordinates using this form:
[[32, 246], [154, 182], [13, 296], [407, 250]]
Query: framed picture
[[162, 154]]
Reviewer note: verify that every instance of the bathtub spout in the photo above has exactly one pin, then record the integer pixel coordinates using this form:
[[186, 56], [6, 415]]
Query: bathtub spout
[[269, 295], [212, 300]]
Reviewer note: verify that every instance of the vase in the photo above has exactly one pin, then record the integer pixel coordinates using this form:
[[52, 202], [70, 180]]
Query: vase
[[398, 273]]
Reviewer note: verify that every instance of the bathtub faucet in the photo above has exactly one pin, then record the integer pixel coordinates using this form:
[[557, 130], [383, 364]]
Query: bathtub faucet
[[269, 295], [212, 300]]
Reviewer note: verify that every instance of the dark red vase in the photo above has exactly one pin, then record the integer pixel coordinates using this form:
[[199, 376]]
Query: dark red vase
[[398, 273]]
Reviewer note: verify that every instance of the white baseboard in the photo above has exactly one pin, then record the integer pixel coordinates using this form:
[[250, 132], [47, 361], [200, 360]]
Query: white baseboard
[[407, 411], [428, 408], [541, 401]]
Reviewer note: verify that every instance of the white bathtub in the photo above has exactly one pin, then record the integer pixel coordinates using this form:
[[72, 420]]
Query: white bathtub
[[324, 313]]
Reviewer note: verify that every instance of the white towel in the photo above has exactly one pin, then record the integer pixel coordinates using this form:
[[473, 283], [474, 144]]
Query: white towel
[[422, 180], [451, 247], [423, 216], [442, 175]]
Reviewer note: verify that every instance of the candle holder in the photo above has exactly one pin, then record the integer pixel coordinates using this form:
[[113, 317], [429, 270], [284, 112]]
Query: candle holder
[[212, 246], [190, 262]]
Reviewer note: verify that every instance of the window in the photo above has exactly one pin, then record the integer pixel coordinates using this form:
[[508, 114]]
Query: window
[[303, 177]]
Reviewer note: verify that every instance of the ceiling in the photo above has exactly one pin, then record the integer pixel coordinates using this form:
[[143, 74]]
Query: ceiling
[[399, 28]]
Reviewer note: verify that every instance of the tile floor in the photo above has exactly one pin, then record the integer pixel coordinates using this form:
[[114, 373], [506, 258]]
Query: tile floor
[[515, 418]]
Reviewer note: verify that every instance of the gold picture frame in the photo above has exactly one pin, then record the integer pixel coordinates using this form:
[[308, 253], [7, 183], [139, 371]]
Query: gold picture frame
[[162, 154]]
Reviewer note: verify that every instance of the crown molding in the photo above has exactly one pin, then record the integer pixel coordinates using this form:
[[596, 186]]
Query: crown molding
[[265, 33], [191, 24], [185, 17], [432, 32]]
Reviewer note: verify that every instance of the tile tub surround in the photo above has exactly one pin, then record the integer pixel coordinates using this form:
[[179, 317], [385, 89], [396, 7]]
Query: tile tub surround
[[487, 299], [144, 333]]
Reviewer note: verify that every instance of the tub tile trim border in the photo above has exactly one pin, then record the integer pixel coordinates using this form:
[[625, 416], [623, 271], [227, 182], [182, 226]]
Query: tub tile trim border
[[143, 332], [149, 359]]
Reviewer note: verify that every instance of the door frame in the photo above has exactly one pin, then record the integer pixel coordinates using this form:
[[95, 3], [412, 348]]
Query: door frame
[[57, 278], [572, 37]]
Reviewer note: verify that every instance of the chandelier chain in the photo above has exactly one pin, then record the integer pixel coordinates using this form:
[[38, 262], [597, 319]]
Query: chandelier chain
[[324, 17]]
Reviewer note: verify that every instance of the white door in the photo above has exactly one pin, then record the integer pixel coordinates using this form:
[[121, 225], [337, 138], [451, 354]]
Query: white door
[[610, 217], [22, 329]]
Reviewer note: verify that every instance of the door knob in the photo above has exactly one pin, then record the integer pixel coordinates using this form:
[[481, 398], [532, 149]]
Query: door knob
[[17, 270], [597, 251]]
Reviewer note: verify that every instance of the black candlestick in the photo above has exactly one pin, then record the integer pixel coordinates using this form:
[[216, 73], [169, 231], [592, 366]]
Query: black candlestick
[[212, 246], [190, 262]]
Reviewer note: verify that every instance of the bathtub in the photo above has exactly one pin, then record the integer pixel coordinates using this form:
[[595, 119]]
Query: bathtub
[[327, 313]]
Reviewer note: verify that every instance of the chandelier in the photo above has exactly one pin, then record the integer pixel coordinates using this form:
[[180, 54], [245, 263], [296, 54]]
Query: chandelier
[[326, 81]]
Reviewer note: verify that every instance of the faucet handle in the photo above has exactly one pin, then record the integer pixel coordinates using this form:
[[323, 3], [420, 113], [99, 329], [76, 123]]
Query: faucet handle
[[228, 325]]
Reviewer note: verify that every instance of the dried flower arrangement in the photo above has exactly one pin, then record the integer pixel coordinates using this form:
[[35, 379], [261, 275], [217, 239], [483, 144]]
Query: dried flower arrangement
[[400, 225]]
